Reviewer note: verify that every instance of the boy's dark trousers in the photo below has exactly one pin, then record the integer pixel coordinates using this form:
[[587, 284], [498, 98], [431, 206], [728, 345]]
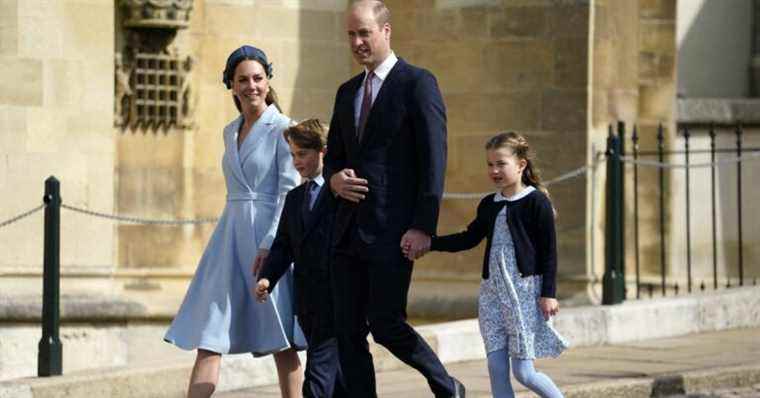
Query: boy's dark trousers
[[303, 238], [323, 376]]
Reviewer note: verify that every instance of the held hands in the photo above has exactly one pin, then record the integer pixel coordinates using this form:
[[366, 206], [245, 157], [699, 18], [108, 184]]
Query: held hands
[[549, 307], [346, 185], [415, 244], [259, 261], [262, 290]]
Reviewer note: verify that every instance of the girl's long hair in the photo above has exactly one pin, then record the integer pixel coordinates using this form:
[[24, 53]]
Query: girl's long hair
[[521, 149]]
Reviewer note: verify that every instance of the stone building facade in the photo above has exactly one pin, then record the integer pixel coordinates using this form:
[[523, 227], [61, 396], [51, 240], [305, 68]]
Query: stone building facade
[[558, 71]]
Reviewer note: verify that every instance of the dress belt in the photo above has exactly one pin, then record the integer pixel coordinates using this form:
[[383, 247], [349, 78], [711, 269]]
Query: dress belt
[[251, 196]]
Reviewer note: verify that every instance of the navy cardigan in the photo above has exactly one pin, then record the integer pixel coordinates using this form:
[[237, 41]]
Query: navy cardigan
[[531, 223]]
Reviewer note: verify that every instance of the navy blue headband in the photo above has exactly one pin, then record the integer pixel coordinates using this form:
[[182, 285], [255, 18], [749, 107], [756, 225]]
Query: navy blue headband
[[241, 54]]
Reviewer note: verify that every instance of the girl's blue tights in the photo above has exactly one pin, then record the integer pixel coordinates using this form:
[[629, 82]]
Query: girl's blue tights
[[525, 373]]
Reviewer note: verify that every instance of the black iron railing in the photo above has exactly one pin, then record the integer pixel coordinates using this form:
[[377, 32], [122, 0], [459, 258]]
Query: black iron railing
[[615, 254]]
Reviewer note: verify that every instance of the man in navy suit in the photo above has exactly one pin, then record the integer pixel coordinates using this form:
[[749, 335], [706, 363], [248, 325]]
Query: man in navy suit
[[386, 163], [303, 238]]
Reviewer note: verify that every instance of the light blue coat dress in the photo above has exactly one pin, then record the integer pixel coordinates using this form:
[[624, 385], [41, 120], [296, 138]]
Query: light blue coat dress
[[219, 312]]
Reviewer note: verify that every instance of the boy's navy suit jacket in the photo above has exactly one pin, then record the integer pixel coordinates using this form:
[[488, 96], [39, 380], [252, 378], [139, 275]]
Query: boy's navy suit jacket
[[306, 243]]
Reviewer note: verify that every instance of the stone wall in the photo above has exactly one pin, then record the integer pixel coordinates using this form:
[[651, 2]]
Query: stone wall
[[558, 72], [615, 96], [656, 105], [714, 57], [177, 174], [56, 96], [514, 66], [635, 65], [502, 66], [634, 75]]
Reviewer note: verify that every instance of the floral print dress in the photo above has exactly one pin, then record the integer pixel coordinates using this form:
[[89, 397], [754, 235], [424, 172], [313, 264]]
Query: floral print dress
[[508, 310]]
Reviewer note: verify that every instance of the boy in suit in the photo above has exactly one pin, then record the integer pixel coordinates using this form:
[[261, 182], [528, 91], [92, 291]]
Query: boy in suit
[[303, 238]]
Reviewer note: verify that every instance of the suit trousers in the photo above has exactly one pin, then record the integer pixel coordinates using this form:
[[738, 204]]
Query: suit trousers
[[323, 377], [370, 287]]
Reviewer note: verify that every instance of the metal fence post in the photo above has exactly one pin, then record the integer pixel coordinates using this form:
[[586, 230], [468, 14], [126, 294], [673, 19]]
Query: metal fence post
[[49, 357], [613, 283], [621, 152], [739, 218]]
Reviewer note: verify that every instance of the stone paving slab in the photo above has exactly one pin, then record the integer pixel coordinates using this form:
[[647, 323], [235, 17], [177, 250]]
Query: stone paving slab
[[719, 363], [744, 392]]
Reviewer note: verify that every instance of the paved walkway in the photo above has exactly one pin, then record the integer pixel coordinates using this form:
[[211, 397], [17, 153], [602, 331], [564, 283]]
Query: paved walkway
[[744, 392], [611, 370]]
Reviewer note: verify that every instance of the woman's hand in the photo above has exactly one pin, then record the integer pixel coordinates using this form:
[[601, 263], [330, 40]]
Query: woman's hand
[[549, 307], [262, 290], [259, 261]]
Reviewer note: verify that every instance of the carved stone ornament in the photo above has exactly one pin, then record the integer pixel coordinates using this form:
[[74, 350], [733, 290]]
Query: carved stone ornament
[[166, 14], [153, 86]]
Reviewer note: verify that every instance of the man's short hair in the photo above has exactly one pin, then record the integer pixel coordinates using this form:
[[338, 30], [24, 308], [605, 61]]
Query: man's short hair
[[308, 134], [379, 10]]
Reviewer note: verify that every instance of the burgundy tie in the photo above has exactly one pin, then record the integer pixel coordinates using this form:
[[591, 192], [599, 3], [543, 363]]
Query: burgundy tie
[[366, 106]]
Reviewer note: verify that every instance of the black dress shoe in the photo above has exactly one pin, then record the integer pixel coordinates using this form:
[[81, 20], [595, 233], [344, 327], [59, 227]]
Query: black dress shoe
[[458, 389]]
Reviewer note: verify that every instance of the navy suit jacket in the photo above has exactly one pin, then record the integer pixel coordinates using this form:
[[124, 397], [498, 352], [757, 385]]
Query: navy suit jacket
[[402, 155], [305, 243]]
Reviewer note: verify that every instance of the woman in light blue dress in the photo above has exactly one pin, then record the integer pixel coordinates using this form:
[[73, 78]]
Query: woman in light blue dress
[[219, 314]]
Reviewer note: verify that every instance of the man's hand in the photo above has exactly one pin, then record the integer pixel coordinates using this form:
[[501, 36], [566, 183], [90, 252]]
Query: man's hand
[[262, 290], [259, 261], [414, 244], [346, 185], [549, 307]]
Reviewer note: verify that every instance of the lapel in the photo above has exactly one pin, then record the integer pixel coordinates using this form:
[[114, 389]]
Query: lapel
[[384, 96], [294, 210], [233, 158], [259, 130]]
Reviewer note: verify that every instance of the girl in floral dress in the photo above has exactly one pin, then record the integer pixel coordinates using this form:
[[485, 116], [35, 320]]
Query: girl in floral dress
[[518, 290]]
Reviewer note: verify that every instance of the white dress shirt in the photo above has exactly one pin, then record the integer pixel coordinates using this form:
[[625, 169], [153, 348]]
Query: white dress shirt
[[378, 77]]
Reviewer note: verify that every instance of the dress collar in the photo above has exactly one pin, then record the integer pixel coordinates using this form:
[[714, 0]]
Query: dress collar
[[269, 114], [525, 192]]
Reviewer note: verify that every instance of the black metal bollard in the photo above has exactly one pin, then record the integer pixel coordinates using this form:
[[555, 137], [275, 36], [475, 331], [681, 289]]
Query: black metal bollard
[[613, 282], [50, 354]]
